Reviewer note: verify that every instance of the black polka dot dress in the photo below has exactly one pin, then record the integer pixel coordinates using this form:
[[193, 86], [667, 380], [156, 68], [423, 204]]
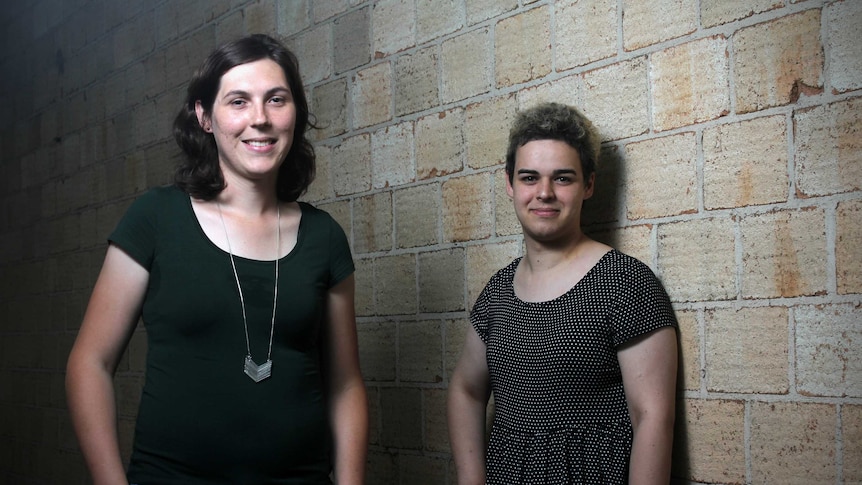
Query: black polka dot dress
[[560, 411]]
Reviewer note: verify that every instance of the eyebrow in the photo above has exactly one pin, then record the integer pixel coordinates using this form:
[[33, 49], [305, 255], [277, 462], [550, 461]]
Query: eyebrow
[[561, 171], [270, 92]]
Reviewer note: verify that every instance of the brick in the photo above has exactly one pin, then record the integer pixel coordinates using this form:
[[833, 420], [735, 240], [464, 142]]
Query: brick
[[689, 370], [616, 99], [382, 467], [467, 212], [486, 259], [372, 215], [422, 469], [352, 34], [709, 441], [828, 141], [372, 95], [320, 187], [566, 90], [416, 81], [441, 281], [661, 176], [231, 27], [784, 254], [329, 105], [430, 24], [461, 76], [377, 350], [745, 163], [691, 274], [373, 394], [401, 413], [829, 350], [522, 47], [324, 9], [351, 165], [648, 22], [417, 216], [486, 130], [844, 29], [260, 17], [313, 50], [392, 156], [420, 351], [717, 12], [746, 350], [792, 443], [393, 25], [777, 61], [636, 241], [456, 331], [690, 83], [851, 432], [436, 422], [133, 40], [480, 10], [395, 281], [364, 296], [440, 144], [605, 204], [585, 32], [848, 264], [505, 221]]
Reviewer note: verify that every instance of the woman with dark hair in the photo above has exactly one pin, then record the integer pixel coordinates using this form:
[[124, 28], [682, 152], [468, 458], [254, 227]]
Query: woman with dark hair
[[227, 266]]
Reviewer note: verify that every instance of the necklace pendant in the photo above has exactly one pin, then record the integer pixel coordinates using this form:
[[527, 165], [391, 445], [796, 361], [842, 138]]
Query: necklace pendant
[[256, 372]]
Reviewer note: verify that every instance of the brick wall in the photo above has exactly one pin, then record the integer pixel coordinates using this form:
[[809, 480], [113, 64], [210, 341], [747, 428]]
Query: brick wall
[[732, 165]]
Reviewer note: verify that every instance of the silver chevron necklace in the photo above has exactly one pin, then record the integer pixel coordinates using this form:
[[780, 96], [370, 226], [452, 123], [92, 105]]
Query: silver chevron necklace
[[256, 372]]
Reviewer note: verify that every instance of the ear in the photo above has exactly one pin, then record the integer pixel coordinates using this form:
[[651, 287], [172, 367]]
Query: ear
[[509, 190], [590, 186], [203, 117]]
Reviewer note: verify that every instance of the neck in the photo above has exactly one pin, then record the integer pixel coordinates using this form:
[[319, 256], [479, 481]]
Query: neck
[[249, 202], [541, 256]]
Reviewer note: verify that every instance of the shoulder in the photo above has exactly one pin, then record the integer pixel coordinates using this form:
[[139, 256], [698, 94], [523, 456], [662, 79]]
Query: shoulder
[[627, 266], [316, 218], [158, 196]]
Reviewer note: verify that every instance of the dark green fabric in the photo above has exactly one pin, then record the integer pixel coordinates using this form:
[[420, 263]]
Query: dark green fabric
[[201, 419]]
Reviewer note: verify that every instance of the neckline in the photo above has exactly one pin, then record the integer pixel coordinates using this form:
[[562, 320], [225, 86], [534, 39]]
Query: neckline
[[202, 234], [514, 266]]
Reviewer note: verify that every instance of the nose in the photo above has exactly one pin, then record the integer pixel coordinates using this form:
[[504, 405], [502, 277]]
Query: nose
[[259, 116], [545, 190]]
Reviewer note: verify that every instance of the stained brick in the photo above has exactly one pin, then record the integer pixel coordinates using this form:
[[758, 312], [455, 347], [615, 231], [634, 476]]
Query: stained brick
[[746, 350], [313, 50], [364, 296], [586, 31], [661, 176], [401, 415], [486, 130], [647, 22], [420, 350], [844, 24], [463, 72], [784, 254], [372, 216], [392, 156], [828, 142], [777, 61], [792, 443], [329, 105], [479, 10], [851, 430], [351, 165], [430, 24], [709, 444], [565, 90], [615, 99], [440, 144], [441, 281], [324, 9], [829, 350], [522, 48], [321, 187], [745, 163], [351, 34], [417, 216], [416, 81], [689, 370], [717, 12], [690, 83], [636, 241], [436, 423], [393, 26], [395, 284], [691, 274], [484, 260], [848, 263], [422, 469], [505, 221], [467, 212], [372, 95]]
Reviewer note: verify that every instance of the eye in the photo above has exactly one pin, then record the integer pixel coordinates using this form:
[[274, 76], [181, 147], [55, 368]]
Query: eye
[[278, 100], [237, 102]]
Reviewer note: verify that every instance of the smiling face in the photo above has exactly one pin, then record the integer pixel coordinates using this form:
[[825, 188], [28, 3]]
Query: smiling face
[[548, 190], [252, 120]]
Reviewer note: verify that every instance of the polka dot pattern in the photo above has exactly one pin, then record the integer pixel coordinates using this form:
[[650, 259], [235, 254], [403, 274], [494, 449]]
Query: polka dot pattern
[[560, 410]]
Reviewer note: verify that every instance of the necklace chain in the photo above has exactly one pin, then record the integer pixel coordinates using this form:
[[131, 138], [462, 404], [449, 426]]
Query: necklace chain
[[257, 373]]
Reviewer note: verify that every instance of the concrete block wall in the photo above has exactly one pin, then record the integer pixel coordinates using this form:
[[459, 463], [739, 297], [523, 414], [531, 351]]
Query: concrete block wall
[[731, 165]]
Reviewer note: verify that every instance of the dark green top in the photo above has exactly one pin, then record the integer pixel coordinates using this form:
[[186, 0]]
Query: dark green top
[[201, 419]]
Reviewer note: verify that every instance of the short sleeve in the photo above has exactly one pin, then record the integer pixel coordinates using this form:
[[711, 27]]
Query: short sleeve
[[136, 232], [479, 314], [641, 304], [341, 261]]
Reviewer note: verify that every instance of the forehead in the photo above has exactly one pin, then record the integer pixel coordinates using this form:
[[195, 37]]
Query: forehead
[[263, 74], [547, 155]]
